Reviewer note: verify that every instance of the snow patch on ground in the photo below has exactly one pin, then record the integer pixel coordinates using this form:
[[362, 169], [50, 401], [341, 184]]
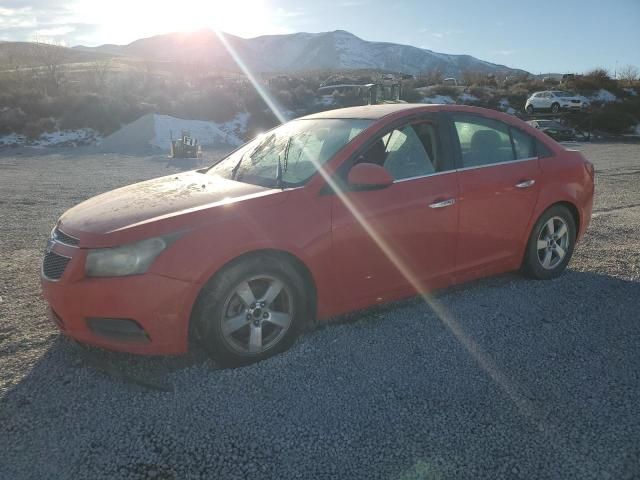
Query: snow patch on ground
[[60, 138], [604, 96], [438, 100], [153, 132], [505, 106], [237, 126], [12, 139], [467, 98], [207, 133]]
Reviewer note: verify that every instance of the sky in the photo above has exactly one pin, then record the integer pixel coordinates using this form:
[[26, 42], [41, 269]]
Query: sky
[[542, 36]]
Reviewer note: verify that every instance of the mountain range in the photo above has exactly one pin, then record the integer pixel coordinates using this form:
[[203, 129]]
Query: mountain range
[[337, 50]]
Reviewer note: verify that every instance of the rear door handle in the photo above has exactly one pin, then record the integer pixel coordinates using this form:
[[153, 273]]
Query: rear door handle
[[442, 204], [525, 184]]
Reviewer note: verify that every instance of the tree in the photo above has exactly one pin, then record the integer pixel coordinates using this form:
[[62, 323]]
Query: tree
[[99, 70], [50, 56], [629, 74]]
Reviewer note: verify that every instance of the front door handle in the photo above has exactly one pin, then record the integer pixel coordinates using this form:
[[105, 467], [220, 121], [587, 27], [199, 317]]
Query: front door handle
[[525, 184], [442, 204]]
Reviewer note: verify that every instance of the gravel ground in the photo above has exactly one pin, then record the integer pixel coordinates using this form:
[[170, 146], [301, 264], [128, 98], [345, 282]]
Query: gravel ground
[[520, 379]]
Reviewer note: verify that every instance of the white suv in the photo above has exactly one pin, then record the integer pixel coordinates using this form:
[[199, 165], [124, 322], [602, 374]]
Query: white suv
[[555, 100]]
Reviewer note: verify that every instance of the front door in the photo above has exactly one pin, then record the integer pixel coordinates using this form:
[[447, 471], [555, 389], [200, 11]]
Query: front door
[[387, 241]]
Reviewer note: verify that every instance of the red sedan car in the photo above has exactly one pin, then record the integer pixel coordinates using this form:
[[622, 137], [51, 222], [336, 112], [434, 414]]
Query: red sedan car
[[323, 215]]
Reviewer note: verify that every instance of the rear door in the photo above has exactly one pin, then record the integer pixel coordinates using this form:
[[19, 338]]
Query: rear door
[[385, 240], [499, 178]]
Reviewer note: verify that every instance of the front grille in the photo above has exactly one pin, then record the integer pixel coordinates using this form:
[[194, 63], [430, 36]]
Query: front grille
[[62, 237], [53, 265]]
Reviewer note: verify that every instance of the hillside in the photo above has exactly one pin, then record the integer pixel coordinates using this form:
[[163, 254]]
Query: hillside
[[338, 50], [28, 54]]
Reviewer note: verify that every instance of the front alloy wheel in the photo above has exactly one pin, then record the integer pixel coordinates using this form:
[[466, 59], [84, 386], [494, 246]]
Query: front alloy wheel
[[256, 315], [252, 309]]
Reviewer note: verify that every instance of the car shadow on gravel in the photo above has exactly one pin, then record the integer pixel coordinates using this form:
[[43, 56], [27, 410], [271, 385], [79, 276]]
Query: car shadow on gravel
[[590, 291], [587, 314]]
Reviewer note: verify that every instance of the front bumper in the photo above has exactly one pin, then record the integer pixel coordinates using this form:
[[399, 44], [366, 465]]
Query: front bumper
[[160, 306], [572, 106]]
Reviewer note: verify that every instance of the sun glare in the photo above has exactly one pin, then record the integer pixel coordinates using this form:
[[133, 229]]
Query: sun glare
[[124, 21]]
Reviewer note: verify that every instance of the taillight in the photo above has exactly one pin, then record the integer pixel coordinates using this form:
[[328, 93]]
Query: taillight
[[588, 166]]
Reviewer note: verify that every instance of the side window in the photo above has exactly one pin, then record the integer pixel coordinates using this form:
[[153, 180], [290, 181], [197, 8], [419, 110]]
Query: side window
[[523, 144], [542, 151], [406, 152], [483, 141]]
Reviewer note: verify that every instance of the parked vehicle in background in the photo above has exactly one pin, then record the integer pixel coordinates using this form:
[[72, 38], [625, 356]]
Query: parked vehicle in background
[[554, 129], [555, 100], [326, 214], [450, 81]]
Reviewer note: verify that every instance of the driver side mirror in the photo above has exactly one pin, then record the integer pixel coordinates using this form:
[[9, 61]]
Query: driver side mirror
[[369, 176]]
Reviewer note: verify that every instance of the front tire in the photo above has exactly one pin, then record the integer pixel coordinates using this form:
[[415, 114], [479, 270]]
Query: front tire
[[251, 310], [529, 109], [551, 244]]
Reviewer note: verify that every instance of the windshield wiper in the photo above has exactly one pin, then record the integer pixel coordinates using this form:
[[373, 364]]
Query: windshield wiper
[[282, 166], [256, 150], [236, 167]]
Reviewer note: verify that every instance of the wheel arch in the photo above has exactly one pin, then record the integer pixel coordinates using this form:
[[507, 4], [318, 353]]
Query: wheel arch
[[294, 260], [573, 209]]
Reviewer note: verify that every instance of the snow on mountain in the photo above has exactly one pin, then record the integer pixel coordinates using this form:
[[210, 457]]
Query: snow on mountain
[[336, 50]]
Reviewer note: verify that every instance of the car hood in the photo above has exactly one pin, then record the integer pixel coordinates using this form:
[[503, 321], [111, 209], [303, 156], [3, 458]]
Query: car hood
[[137, 205]]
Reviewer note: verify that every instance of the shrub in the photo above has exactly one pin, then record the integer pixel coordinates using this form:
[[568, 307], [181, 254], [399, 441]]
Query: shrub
[[446, 90], [12, 119], [411, 95], [612, 119], [37, 127]]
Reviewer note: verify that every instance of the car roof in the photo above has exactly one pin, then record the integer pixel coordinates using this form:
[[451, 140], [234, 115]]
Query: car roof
[[376, 112], [368, 112]]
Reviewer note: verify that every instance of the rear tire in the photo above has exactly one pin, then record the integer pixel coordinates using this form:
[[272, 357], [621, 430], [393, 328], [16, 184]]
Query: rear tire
[[529, 109], [555, 108], [550, 245], [251, 310]]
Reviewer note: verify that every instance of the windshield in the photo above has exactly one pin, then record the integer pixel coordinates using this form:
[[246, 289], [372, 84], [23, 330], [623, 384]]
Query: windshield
[[289, 155]]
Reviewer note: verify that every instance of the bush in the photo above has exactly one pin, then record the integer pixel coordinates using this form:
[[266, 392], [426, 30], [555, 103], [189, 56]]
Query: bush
[[104, 114], [260, 121], [594, 80], [613, 119], [12, 119], [411, 95], [38, 127], [447, 90]]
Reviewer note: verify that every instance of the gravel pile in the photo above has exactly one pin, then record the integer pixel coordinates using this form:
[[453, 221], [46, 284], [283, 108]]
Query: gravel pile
[[541, 381]]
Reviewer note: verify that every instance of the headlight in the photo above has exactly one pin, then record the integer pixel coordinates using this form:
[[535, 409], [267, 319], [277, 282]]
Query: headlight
[[131, 259]]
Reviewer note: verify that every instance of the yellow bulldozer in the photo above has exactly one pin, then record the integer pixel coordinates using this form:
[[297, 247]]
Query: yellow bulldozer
[[185, 147]]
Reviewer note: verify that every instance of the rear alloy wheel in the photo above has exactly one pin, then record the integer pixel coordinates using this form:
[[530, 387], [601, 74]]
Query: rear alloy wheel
[[551, 244], [251, 311], [555, 108], [529, 109]]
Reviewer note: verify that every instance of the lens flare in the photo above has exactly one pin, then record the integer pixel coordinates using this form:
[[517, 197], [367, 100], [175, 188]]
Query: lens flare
[[514, 392]]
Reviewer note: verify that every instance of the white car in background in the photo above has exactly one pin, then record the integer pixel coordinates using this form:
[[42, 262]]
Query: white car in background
[[555, 100]]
